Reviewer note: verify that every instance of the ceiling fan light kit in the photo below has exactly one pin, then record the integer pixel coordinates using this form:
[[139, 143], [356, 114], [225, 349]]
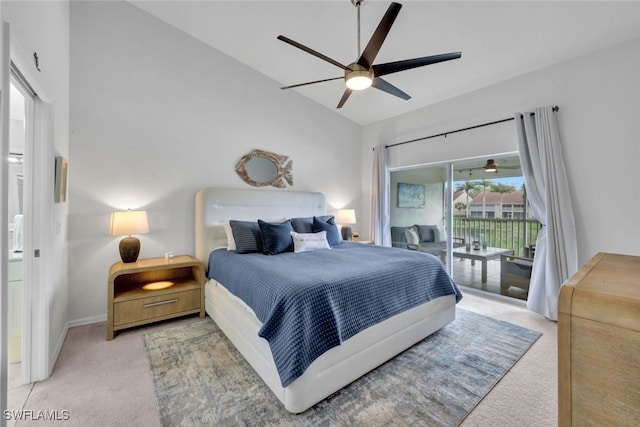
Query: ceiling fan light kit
[[363, 73], [491, 166], [357, 77]]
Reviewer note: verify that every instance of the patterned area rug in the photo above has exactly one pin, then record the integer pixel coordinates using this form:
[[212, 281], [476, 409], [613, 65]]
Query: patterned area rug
[[201, 379]]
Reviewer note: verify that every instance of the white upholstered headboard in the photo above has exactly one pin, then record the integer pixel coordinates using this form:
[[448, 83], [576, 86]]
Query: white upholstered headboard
[[215, 206]]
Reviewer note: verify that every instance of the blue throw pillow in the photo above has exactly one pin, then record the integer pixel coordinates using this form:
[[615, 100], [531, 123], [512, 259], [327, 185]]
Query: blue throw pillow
[[305, 224], [247, 236], [276, 238], [333, 236]]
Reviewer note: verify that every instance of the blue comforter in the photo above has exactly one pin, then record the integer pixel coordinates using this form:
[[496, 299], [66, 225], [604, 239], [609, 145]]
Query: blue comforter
[[310, 302]]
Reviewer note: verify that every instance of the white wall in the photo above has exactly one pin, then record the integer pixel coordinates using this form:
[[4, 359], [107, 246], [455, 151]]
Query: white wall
[[157, 115], [43, 27], [599, 99]]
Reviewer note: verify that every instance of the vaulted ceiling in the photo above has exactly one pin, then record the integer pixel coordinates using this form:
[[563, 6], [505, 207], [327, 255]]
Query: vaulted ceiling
[[499, 40]]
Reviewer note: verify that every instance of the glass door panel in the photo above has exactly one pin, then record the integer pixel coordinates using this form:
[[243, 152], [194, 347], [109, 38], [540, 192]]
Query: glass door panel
[[489, 220], [418, 209], [491, 214]]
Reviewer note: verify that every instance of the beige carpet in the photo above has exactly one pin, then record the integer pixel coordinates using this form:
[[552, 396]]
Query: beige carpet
[[105, 383]]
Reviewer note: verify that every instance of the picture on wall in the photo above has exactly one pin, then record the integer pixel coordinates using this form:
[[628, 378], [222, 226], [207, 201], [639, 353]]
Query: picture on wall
[[410, 195], [61, 167]]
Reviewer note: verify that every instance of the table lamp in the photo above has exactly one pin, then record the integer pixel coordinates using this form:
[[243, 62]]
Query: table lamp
[[126, 224], [346, 217]]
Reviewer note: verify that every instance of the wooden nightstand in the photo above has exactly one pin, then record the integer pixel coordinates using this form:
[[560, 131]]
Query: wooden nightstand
[[153, 289]]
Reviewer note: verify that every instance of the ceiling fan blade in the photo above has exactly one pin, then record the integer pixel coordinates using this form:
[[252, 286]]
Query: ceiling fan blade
[[310, 83], [371, 51], [344, 98], [312, 52], [407, 64], [385, 86]]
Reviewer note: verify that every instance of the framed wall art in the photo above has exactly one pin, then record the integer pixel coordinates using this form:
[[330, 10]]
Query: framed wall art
[[410, 195], [62, 165]]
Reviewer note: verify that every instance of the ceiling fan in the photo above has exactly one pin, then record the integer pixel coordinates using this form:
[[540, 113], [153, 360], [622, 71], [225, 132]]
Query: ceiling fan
[[491, 166], [363, 73]]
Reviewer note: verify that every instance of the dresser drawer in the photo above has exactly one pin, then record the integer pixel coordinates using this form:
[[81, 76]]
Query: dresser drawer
[[155, 306]]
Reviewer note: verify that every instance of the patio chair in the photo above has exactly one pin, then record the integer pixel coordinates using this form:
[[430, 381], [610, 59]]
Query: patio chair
[[515, 271]]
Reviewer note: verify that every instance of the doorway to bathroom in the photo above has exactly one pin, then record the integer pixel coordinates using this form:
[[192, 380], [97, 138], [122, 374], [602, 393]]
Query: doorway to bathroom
[[21, 109]]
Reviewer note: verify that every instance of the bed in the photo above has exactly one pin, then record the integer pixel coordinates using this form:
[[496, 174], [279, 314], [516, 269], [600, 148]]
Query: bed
[[357, 353]]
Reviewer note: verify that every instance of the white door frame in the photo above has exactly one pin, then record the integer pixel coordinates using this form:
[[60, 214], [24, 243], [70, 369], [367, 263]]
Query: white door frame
[[4, 207], [39, 200], [27, 263]]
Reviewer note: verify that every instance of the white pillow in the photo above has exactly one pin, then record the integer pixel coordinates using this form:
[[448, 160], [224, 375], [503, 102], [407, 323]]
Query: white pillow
[[231, 242], [440, 234], [412, 236], [304, 242]]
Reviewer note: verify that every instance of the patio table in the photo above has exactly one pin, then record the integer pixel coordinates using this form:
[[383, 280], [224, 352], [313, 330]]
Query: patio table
[[482, 255]]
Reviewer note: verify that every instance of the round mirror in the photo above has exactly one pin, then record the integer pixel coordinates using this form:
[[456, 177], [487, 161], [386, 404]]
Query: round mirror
[[261, 168]]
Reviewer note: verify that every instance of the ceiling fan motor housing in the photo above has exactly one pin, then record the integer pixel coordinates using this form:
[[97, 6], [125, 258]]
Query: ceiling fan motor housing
[[358, 77]]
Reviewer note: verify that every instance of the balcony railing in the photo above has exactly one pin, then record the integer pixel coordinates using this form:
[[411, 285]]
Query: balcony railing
[[515, 234]]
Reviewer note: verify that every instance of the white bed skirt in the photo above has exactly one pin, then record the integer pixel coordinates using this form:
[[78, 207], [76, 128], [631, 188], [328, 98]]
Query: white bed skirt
[[337, 367]]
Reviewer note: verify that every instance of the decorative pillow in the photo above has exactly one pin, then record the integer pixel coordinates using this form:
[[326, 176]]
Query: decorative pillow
[[412, 236], [247, 236], [333, 235], [231, 242], [440, 233], [426, 233], [276, 237], [305, 224], [305, 242]]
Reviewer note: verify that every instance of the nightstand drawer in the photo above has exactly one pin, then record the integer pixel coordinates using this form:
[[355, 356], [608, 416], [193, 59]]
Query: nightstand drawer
[[155, 306]]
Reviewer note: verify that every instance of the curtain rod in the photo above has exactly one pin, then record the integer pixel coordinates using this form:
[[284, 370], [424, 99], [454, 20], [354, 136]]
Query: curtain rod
[[556, 108]]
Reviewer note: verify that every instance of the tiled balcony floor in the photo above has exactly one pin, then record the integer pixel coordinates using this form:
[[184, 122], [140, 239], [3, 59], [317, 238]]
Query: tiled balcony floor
[[465, 274]]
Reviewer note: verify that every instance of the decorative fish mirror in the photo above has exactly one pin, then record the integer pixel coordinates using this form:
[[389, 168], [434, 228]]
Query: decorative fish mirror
[[261, 168]]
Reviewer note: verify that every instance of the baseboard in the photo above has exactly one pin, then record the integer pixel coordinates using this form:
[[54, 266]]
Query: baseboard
[[87, 321]]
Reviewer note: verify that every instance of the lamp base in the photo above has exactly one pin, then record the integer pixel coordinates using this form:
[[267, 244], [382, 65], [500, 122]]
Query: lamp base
[[129, 249], [346, 232]]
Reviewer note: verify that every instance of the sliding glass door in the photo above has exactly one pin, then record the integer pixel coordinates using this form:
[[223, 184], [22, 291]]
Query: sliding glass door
[[472, 214]]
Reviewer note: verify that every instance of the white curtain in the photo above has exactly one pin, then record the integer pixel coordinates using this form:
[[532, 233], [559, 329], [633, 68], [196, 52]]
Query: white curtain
[[380, 231], [545, 178]]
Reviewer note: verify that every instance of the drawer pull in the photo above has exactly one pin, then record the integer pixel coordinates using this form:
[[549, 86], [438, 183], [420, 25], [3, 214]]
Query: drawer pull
[[153, 304]]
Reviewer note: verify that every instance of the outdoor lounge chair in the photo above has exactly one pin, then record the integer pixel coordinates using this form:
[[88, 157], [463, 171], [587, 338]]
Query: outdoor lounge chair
[[515, 271]]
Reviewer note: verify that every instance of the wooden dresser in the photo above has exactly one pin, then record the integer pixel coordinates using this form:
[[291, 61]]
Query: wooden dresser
[[599, 344]]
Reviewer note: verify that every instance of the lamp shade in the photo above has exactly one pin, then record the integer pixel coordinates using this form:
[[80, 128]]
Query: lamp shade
[[128, 223], [346, 216]]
